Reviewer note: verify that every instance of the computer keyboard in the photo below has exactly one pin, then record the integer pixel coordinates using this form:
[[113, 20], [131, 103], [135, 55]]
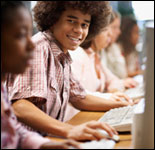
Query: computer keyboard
[[135, 93], [119, 118], [122, 118], [102, 144]]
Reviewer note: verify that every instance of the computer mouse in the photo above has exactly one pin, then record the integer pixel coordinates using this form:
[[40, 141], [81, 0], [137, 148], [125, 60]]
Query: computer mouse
[[114, 137]]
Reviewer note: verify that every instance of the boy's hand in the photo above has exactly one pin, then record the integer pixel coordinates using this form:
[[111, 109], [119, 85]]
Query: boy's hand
[[88, 131]]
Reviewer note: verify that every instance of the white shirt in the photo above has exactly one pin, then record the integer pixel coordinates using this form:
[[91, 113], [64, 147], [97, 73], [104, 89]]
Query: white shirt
[[115, 61], [83, 68]]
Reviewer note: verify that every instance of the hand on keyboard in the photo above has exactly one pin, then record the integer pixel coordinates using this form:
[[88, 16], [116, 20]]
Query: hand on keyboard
[[136, 101], [121, 97], [130, 83], [136, 93]]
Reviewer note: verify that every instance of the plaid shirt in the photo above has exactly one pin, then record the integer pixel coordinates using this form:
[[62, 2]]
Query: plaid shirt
[[48, 82], [13, 135]]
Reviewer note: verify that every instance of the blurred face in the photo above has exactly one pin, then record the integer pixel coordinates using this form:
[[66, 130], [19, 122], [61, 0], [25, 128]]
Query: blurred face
[[16, 42], [71, 29], [115, 27], [103, 39], [135, 35]]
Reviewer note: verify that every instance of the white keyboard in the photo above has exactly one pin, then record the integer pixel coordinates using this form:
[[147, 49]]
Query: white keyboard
[[102, 144], [122, 118], [119, 118], [135, 93]]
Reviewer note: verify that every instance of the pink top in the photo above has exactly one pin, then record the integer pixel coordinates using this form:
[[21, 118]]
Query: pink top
[[13, 135], [92, 75], [48, 82], [83, 68]]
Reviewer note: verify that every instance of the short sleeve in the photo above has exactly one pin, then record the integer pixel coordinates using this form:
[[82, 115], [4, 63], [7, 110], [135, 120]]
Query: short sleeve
[[33, 83]]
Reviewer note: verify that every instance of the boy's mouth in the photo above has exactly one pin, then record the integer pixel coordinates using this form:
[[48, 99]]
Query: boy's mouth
[[75, 40]]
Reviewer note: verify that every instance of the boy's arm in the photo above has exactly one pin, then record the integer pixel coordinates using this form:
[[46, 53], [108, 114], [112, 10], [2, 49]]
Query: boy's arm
[[93, 103], [32, 116]]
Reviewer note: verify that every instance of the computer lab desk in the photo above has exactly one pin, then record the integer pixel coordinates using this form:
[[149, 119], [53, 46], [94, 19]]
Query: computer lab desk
[[85, 116]]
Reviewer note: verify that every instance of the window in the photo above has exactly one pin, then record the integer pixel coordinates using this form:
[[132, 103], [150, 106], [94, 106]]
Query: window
[[144, 10]]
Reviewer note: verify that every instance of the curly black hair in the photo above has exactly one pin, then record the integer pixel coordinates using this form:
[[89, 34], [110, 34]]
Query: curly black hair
[[47, 13]]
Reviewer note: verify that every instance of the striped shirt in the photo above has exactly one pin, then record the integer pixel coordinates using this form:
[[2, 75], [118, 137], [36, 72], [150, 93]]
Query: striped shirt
[[48, 81]]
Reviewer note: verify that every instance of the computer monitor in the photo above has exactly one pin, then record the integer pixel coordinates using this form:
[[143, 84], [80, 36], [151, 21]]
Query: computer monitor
[[143, 125]]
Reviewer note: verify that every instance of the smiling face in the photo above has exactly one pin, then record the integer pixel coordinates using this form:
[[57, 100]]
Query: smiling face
[[16, 44], [71, 29]]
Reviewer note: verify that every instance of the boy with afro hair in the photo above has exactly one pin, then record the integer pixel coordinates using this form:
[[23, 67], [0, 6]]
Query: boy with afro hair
[[42, 93]]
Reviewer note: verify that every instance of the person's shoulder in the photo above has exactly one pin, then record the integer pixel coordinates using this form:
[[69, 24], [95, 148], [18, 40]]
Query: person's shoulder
[[78, 53], [42, 39], [39, 38], [41, 42], [113, 46], [119, 46]]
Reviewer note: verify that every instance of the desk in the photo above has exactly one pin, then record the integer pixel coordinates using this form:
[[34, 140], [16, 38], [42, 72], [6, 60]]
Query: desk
[[85, 116]]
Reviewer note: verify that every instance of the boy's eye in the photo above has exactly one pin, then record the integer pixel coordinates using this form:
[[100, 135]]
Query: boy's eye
[[84, 25], [71, 21]]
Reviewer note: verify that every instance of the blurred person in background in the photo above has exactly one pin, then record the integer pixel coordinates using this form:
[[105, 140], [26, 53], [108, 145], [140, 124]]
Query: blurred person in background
[[112, 56], [128, 40]]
